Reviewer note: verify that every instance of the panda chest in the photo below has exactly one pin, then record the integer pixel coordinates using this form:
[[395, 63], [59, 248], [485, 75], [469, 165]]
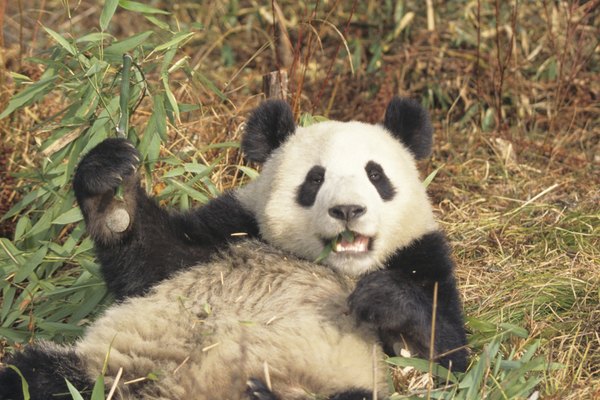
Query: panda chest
[[275, 296]]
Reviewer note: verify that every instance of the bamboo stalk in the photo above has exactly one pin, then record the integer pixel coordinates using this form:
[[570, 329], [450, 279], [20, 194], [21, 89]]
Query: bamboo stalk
[[123, 127]]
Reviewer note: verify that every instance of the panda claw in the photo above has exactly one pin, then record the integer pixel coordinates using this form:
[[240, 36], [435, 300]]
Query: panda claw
[[257, 390]]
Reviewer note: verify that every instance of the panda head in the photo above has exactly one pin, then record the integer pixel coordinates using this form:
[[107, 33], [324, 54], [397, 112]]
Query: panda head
[[352, 184]]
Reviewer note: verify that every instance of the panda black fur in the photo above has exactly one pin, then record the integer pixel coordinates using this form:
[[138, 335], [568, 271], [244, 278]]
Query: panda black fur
[[275, 309]]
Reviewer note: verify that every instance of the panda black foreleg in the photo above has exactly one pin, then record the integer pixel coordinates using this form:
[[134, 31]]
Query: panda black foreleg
[[130, 234], [45, 368], [353, 394], [399, 302], [138, 242], [402, 311], [162, 242]]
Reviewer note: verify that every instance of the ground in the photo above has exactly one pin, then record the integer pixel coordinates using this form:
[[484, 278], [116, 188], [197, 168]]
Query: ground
[[514, 94]]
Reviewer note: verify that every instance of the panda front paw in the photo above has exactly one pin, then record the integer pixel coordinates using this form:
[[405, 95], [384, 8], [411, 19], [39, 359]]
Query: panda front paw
[[108, 165], [257, 390], [379, 300]]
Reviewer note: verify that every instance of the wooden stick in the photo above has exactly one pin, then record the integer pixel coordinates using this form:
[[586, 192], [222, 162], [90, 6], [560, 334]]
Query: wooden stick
[[430, 16], [275, 85]]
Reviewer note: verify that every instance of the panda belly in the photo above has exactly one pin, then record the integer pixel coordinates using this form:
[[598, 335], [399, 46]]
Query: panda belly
[[204, 332]]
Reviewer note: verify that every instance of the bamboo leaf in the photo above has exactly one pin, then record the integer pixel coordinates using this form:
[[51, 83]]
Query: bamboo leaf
[[8, 295], [431, 176], [488, 122], [160, 116], [347, 235], [69, 217], [308, 119], [64, 43], [24, 385], [157, 22], [96, 37], [209, 84], [140, 7], [167, 59], [60, 327], [325, 252], [102, 125], [178, 38], [423, 366], [17, 337], [171, 98], [33, 93], [75, 395], [174, 172], [23, 225], [96, 67], [515, 330], [13, 253], [42, 225], [223, 145], [98, 391], [196, 168], [118, 48], [31, 264], [123, 127], [92, 297], [249, 172], [20, 78], [188, 107], [194, 194], [110, 6]]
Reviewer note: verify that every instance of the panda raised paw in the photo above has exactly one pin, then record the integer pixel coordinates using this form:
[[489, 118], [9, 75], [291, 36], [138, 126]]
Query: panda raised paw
[[110, 165], [107, 166]]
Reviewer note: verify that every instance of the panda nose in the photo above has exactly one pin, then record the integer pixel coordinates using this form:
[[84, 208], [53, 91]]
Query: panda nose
[[347, 212]]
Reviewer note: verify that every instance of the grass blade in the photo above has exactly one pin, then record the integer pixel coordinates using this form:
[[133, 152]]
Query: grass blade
[[75, 395], [24, 384]]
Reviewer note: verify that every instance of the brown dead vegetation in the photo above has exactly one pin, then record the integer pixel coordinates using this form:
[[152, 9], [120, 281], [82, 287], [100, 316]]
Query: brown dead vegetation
[[516, 107]]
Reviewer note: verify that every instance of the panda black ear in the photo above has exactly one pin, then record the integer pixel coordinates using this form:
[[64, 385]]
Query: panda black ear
[[266, 129], [409, 122]]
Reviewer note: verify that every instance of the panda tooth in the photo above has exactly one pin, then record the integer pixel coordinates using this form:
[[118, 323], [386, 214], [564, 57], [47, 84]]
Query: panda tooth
[[360, 244]]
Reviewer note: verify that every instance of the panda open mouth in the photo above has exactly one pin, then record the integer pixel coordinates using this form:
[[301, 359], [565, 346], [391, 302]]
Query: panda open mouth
[[351, 242], [347, 242]]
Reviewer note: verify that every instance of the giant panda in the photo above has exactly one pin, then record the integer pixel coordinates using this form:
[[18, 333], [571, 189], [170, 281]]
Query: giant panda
[[204, 312]]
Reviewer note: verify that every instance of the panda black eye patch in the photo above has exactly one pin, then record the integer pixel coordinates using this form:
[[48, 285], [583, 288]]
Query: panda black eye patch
[[307, 192], [380, 180]]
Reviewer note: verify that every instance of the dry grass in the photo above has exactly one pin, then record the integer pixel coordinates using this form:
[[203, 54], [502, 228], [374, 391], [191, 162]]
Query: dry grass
[[517, 116]]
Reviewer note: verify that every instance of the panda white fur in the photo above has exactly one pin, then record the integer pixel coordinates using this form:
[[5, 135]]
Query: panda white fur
[[331, 165], [205, 311]]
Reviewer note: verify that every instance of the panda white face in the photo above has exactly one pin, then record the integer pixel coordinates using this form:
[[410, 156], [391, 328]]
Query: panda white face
[[332, 178]]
